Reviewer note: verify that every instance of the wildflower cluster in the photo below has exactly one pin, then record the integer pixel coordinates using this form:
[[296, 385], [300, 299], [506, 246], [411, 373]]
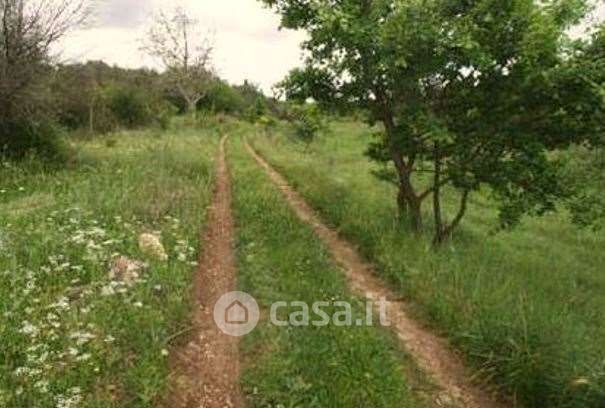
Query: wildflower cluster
[[54, 316]]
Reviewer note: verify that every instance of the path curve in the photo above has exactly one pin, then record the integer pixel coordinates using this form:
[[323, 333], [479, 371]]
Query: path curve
[[205, 371], [431, 353]]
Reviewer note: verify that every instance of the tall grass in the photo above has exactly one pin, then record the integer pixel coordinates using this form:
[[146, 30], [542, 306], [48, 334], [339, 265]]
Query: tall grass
[[281, 259], [70, 334], [524, 306]]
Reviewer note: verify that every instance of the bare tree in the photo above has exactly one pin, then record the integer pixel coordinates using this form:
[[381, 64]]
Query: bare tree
[[185, 53], [28, 29]]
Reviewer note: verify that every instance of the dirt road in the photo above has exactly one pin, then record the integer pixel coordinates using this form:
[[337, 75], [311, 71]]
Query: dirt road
[[431, 353], [205, 371]]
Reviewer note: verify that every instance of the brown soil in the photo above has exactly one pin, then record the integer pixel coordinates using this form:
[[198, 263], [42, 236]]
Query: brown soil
[[205, 371], [432, 353]]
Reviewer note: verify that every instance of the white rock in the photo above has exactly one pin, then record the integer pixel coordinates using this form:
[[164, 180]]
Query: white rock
[[151, 245], [126, 270]]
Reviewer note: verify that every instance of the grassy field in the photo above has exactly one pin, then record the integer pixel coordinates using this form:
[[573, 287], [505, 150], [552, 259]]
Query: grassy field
[[281, 260], [524, 306], [72, 336]]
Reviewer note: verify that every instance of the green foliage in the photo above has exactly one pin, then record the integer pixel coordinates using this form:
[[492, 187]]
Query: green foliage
[[280, 259], [307, 122], [129, 106], [474, 93], [584, 171], [58, 233], [23, 138], [267, 123], [524, 306], [256, 109], [100, 98], [223, 98], [164, 111]]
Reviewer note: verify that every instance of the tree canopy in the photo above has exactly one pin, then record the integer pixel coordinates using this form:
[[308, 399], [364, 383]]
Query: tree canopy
[[468, 93]]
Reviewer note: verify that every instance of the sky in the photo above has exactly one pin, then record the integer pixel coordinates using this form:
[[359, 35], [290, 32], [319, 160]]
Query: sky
[[248, 42], [247, 39]]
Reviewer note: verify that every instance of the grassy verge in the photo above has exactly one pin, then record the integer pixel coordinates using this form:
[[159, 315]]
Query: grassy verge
[[525, 306], [280, 259], [72, 336]]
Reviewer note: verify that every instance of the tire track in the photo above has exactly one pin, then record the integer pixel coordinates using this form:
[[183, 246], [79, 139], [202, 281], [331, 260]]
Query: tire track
[[431, 353], [205, 371]]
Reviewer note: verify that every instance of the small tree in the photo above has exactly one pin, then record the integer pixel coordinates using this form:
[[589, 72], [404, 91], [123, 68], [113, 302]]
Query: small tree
[[28, 30], [185, 54], [307, 122], [469, 93]]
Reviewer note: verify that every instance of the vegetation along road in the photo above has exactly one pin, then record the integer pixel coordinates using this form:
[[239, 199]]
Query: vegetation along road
[[302, 204]]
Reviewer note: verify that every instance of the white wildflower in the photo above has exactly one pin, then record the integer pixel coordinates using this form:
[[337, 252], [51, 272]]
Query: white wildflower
[[107, 291], [29, 329], [84, 357], [82, 337], [42, 386]]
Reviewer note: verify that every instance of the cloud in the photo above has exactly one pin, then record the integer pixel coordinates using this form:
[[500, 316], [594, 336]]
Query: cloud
[[122, 13], [249, 44]]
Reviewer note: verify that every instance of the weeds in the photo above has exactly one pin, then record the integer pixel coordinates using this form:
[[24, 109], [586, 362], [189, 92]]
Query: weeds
[[73, 333], [525, 306]]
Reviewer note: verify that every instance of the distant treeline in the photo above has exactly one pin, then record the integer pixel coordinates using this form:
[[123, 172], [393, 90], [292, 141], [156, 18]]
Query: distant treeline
[[100, 98]]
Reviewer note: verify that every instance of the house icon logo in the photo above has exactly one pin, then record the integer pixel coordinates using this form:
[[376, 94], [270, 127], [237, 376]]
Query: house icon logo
[[236, 314]]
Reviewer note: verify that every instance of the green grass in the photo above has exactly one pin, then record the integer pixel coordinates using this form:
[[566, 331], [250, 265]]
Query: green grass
[[281, 259], [526, 307], [69, 334]]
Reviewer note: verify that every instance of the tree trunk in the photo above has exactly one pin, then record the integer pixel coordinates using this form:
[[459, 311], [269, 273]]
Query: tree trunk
[[192, 108], [408, 203], [437, 198], [415, 215], [402, 205], [445, 232]]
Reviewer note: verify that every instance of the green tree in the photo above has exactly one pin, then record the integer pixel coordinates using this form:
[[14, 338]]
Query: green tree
[[469, 94]]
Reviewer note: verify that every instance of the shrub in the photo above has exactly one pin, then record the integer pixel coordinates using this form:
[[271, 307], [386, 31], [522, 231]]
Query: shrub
[[256, 110], [21, 138], [129, 106], [164, 112], [307, 122], [222, 98]]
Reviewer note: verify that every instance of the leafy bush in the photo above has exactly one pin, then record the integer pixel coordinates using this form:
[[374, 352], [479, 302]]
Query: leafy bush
[[223, 98], [164, 111], [256, 110], [307, 122], [129, 106], [584, 173], [21, 138]]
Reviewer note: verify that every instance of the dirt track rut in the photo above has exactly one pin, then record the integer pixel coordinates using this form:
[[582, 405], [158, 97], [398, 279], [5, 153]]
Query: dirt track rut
[[205, 371], [431, 353]]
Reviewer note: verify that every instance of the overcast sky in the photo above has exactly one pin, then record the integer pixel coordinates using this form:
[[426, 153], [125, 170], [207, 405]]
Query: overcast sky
[[248, 43]]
